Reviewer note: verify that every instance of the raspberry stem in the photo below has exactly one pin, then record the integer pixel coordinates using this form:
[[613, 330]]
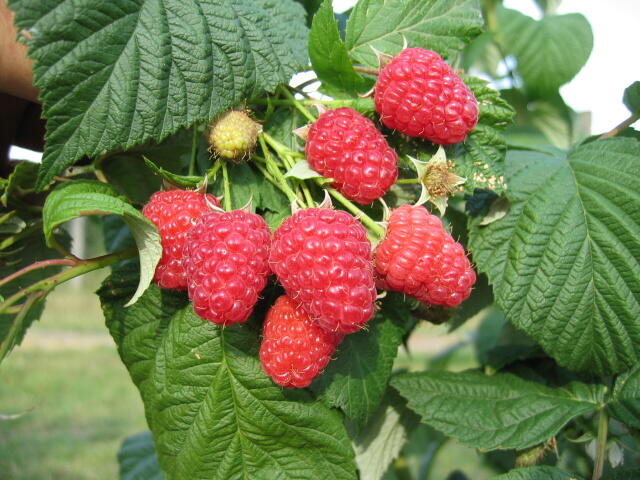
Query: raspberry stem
[[407, 181], [213, 171], [365, 219], [194, 151], [284, 152], [370, 71], [68, 262], [286, 155], [226, 200], [294, 101], [627, 123], [80, 268], [601, 444], [279, 180], [17, 322], [305, 102]]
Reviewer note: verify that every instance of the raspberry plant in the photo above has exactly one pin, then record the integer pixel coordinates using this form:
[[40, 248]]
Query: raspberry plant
[[549, 214]]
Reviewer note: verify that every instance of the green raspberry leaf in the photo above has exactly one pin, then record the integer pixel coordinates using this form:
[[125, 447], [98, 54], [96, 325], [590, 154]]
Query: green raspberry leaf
[[384, 435], [22, 244], [564, 260], [212, 410], [23, 176], [480, 158], [631, 98], [357, 379], [444, 26], [302, 171], [86, 197], [623, 474], [550, 51], [501, 411], [329, 56], [179, 180], [144, 69], [626, 398], [137, 458], [537, 473]]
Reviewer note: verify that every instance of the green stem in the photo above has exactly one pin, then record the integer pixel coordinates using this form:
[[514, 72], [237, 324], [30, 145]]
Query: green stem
[[290, 194], [408, 181], [35, 266], [194, 150], [369, 222], [308, 102], [213, 171], [307, 194], [296, 103], [8, 216], [370, 71], [286, 155], [81, 267], [627, 123], [9, 241], [273, 169], [226, 200], [306, 83], [601, 444], [9, 340]]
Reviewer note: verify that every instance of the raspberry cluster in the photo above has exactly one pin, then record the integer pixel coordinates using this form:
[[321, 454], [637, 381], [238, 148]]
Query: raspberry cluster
[[321, 256]]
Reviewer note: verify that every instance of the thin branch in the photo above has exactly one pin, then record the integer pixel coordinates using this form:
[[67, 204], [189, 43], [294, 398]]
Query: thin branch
[[307, 114], [226, 200], [35, 266], [370, 71], [627, 123], [369, 222], [194, 150], [80, 268]]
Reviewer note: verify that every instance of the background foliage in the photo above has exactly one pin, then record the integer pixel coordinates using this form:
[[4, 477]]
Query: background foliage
[[549, 214]]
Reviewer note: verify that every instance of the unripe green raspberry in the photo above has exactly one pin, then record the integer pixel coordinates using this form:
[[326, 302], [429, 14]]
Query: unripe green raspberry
[[233, 135]]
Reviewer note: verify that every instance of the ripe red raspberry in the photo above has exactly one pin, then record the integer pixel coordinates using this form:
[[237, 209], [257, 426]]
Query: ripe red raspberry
[[227, 263], [419, 95], [322, 257], [174, 212], [345, 146], [294, 349], [419, 258]]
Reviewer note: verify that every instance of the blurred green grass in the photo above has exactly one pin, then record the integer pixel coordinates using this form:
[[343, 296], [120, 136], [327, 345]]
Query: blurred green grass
[[75, 395], [78, 401]]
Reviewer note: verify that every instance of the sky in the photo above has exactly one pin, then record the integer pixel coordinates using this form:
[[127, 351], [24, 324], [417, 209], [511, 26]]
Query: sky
[[613, 65]]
